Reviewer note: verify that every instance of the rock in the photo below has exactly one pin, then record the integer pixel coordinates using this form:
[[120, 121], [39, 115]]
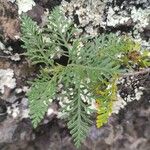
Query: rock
[[7, 129], [23, 132], [3, 111], [9, 22], [36, 13], [129, 130], [7, 79], [24, 5]]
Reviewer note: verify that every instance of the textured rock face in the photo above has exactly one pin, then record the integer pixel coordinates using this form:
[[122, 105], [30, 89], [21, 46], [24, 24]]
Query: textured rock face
[[87, 14], [125, 16], [129, 130], [9, 24], [15, 134], [7, 129]]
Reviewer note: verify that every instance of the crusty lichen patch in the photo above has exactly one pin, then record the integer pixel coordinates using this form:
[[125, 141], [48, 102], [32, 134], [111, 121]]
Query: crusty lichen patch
[[7, 79], [24, 5]]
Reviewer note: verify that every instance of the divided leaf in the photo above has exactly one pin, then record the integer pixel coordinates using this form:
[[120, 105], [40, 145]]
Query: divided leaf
[[90, 62], [40, 96]]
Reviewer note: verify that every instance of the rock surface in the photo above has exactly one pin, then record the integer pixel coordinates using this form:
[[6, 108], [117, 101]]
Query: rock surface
[[128, 130]]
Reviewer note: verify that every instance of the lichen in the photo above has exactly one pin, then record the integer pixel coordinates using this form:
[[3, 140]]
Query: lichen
[[89, 13], [24, 5], [7, 79]]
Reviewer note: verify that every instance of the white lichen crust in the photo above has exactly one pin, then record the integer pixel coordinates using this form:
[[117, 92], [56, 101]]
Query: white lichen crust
[[19, 110], [129, 92], [24, 5], [7, 79], [96, 15], [89, 13]]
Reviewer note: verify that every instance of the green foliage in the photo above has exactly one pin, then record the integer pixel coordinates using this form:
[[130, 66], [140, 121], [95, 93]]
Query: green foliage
[[43, 90], [91, 66], [107, 96], [78, 119], [37, 49]]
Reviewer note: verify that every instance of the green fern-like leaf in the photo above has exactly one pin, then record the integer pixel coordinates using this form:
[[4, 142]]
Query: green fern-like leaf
[[38, 50], [78, 120], [91, 63], [40, 97], [84, 63], [106, 97]]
